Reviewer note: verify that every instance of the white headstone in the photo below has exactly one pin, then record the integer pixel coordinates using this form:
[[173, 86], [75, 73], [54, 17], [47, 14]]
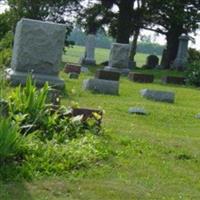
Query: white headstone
[[182, 55], [38, 48], [89, 50]]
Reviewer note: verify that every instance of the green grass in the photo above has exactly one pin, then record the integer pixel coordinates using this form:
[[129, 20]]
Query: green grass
[[75, 53], [156, 156]]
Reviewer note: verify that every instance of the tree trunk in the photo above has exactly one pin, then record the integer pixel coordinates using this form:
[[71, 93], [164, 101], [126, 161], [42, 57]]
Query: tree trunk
[[124, 21], [134, 44], [172, 45]]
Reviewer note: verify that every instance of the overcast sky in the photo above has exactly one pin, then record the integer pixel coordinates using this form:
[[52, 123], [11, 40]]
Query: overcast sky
[[159, 39]]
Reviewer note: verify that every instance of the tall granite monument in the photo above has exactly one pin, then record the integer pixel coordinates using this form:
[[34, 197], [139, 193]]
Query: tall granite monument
[[182, 55], [37, 50], [89, 57]]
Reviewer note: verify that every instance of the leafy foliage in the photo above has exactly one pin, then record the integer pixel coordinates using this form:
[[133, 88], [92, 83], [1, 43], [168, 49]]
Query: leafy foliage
[[193, 74], [5, 49], [40, 139], [11, 141], [194, 55]]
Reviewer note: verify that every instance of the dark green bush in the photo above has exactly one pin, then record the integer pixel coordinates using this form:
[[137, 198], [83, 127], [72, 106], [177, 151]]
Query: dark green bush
[[193, 55], [193, 73]]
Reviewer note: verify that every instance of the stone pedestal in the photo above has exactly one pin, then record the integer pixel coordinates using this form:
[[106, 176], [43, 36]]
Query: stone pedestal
[[182, 55], [37, 50], [119, 58], [89, 58]]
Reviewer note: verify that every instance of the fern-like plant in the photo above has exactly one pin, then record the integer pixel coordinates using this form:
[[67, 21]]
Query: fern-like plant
[[10, 139]]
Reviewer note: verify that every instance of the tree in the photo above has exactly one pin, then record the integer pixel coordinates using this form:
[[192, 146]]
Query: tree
[[174, 18], [45, 10]]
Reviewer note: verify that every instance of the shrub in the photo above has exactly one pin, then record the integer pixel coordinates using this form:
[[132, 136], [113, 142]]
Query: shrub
[[193, 73], [193, 55], [29, 108]]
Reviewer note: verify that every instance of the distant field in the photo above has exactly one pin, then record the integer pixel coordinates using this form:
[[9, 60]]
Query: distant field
[[74, 54]]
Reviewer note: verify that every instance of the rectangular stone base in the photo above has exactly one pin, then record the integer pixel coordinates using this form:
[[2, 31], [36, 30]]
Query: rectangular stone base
[[174, 80], [141, 78], [107, 75], [19, 78], [102, 86]]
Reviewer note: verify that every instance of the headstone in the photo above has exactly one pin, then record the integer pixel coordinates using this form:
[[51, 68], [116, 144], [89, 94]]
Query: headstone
[[107, 75], [72, 68], [73, 75], [174, 80], [157, 95], [141, 78], [119, 58], [101, 86], [38, 48], [89, 57], [151, 62], [137, 110], [182, 55]]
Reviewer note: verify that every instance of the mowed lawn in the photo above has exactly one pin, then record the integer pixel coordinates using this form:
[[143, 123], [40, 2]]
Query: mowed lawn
[[75, 53], [152, 157]]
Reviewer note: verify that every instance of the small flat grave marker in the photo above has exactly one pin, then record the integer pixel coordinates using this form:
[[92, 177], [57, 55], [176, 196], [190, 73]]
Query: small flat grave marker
[[157, 95]]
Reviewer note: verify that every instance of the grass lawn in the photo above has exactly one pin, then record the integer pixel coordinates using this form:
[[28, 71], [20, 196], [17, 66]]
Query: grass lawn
[[74, 54], [154, 157]]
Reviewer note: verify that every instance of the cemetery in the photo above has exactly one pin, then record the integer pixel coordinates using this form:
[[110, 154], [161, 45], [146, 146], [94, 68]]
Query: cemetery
[[83, 122]]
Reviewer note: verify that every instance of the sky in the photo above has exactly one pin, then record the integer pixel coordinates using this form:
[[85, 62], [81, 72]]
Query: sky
[[159, 38]]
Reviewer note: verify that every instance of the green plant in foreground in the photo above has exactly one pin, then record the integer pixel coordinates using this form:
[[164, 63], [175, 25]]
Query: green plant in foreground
[[10, 139]]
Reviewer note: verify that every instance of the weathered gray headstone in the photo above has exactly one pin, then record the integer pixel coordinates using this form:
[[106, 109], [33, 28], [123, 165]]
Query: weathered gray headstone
[[119, 58], [152, 62], [37, 49], [102, 86], [182, 55], [157, 95], [137, 110], [89, 58]]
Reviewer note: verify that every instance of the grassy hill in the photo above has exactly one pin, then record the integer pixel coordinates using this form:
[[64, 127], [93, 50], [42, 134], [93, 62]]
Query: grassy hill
[[153, 157]]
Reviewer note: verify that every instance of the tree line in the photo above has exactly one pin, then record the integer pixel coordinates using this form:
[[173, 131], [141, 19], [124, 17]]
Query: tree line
[[146, 45]]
